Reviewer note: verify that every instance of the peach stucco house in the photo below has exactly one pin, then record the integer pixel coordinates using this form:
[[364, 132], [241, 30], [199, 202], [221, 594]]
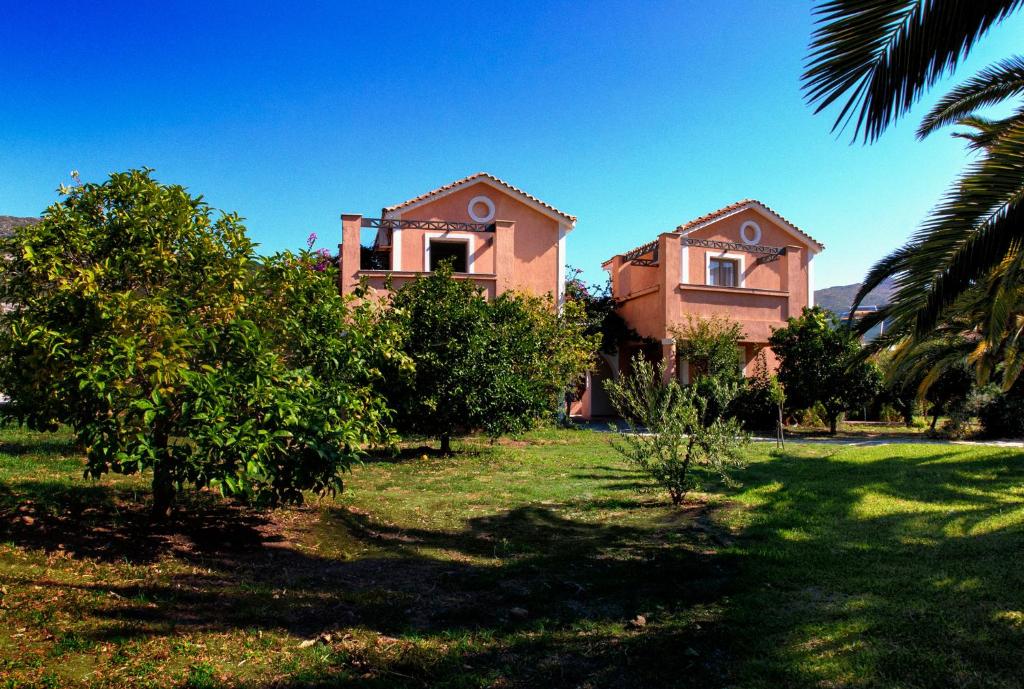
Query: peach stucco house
[[744, 262], [497, 235]]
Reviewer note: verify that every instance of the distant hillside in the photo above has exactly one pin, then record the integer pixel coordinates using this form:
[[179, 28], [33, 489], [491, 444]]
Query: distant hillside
[[9, 222], [838, 299]]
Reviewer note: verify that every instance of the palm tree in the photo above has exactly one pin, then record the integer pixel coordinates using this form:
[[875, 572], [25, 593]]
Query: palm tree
[[874, 59]]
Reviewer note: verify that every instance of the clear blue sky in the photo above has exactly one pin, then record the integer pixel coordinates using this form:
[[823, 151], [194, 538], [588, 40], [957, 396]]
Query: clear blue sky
[[634, 116]]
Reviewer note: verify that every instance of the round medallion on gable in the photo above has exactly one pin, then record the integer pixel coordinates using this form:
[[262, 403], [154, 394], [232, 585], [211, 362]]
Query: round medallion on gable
[[481, 209], [750, 232]]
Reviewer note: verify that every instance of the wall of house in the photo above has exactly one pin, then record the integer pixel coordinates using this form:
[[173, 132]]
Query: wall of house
[[531, 266], [654, 299], [641, 300], [768, 276], [770, 293]]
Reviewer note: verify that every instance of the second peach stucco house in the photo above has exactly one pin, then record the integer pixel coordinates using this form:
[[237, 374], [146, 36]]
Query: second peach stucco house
[[743, 262], [495, 234]]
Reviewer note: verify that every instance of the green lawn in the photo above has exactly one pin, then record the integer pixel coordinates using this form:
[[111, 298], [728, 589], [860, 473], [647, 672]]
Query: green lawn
[[523, 565]]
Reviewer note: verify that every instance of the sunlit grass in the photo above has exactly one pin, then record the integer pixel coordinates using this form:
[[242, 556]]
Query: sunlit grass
[[524, 564]]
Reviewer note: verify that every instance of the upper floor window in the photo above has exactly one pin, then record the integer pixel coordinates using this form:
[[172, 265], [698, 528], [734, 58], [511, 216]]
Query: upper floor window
[[724, 272], [456, 251]]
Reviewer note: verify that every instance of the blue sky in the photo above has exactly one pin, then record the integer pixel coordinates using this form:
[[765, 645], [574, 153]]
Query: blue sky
[[633, 116]]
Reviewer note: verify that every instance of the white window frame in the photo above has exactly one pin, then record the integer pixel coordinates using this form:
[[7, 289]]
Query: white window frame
[[454, 236], [730, 255]]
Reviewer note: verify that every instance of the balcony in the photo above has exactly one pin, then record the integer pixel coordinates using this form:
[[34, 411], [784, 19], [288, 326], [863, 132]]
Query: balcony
[[369, 252]]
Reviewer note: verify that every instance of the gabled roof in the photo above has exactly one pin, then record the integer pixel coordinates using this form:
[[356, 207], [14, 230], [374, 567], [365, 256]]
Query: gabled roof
[[738, 207], [748, 204], [487, 178]]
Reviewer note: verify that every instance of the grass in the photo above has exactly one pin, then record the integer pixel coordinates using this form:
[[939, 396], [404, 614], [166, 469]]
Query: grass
[[524, 564]]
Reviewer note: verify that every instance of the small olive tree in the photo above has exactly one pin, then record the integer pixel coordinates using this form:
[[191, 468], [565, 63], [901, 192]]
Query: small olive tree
[[669, 434]]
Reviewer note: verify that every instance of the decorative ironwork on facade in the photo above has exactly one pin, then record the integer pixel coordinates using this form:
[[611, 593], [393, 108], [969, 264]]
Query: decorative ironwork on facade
[[440, 225], [634, 255], [769, 253]]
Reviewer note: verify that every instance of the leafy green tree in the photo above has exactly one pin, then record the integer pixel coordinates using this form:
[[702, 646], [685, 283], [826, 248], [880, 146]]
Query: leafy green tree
[[600, 312], [668, 435], [935, 371], [476, 365], [535, 354], [345, 343], [140, 322], [442, 322], [819, 362], [875, 60], [711, 346]]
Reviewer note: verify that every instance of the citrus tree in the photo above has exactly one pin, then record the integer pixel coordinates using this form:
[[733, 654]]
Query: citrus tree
[[494, 366], [819, 362], [144, 322]]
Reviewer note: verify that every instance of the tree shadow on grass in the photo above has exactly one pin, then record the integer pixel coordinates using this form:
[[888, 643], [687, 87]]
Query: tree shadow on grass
[[547, 599], [531, 597], [48, 446], [894, 571], [411, 454], [98, 522]]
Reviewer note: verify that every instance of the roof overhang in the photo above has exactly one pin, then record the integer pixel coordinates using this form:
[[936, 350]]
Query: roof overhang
[[814, 245], [568, 222]]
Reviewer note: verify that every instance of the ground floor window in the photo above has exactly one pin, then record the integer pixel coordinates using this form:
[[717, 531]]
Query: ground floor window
[[454, 250]]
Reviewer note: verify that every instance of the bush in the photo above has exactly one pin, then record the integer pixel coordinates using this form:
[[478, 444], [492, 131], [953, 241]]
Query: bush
[[711, 348], [1002, 414], [812, 417], [667, 434], [890, 414], [757, 403]]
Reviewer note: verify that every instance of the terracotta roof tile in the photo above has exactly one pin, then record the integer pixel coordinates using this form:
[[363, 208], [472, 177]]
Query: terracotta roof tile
[[464, 180]]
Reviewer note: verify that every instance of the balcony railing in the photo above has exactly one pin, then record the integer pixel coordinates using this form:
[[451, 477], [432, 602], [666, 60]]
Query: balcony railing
[[440, 225]]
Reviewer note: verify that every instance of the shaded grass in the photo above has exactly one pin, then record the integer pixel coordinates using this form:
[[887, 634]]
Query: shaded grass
[[522, 564]]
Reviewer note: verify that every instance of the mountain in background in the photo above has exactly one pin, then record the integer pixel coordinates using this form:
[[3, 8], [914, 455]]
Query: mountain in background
[[838, 299], [9, 222]]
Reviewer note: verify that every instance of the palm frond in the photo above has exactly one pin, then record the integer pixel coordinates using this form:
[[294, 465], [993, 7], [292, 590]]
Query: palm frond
[[880, 55], [992, 85], [887, 267], [974, 228], [986, 131]]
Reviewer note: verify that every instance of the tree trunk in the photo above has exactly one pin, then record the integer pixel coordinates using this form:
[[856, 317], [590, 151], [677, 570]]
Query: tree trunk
[[163, 481], [833, 424], [446, 444], [163, 492], [935, 419]]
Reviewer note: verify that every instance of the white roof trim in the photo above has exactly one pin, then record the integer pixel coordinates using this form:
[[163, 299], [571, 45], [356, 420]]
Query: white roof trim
[[483, 179]]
